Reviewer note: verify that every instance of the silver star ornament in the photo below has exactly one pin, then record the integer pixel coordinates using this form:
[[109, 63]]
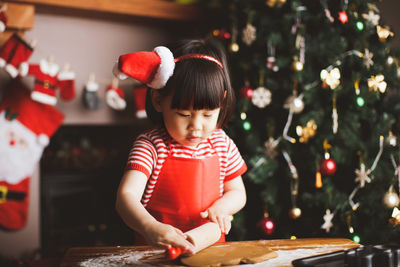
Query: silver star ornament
[[367, 58], [328, 221], [362, 175]]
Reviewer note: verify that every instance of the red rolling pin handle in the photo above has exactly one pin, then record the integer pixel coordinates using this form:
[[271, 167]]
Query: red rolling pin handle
[[172, 253], [201, 237]]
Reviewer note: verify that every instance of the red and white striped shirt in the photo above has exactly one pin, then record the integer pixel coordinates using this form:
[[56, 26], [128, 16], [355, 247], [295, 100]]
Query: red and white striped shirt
[[151, 149]]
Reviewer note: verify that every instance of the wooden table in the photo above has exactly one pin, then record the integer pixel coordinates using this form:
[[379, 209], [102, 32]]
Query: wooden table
[[125, 255]]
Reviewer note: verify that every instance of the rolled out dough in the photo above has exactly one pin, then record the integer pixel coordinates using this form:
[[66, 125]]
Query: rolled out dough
[[230, 254]]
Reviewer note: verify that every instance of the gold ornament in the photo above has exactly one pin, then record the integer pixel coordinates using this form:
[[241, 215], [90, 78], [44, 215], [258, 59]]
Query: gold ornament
[[297, 65], [383, 33], [234, 47], [357, 86], [391, 139], [391, 199], [376, 83], [395, 220], [331, 78], [295, 213], [278, 3], [216, 32], [307, 131], [318, 180]]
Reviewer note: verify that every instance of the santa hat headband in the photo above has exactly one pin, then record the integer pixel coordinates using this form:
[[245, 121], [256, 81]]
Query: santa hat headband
[[200, 56], [156, 67]]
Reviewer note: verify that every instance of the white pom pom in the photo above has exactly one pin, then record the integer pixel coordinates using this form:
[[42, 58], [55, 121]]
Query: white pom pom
[[117, 73], [43, 140], [166, 68], [23, 68], [2, 26]]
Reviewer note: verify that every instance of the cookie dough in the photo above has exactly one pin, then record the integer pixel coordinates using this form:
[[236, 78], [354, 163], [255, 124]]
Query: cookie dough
[[228, 253]]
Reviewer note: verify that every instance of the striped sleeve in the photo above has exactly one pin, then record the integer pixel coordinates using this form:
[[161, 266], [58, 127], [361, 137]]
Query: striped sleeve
[[142, 156], [236, 165]]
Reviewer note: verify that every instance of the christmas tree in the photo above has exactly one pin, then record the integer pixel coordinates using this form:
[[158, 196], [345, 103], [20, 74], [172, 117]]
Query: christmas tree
[[317, 118]]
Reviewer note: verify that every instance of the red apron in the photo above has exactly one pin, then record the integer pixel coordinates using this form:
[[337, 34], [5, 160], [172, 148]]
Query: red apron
[[185, 187]]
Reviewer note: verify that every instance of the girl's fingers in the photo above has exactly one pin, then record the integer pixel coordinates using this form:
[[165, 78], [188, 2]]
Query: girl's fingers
[[181, 233], [181, 241], [224, 222], [221, 223], [228, 224], [162, 245], [186, 246]]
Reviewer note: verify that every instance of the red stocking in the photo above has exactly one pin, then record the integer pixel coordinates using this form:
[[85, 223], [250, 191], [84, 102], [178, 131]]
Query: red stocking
[[3, 18], [13, 53], [66, 84], [14, 200]]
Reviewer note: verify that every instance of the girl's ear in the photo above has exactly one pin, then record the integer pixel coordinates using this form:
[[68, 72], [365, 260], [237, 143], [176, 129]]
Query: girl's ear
[[156, 99]]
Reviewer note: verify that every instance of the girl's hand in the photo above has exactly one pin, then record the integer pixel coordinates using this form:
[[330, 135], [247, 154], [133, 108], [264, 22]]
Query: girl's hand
[[163, 235], [223, 220]]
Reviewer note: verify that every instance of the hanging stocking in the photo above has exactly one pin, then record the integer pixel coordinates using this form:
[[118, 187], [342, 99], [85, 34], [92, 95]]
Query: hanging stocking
[[115, 96], [140, 101], [25, 129], [89, 96], [66, 83], [13, 53], [3, 18], [46, 81]]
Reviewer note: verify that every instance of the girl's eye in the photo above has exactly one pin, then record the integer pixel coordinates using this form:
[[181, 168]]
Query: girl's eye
[[182, 114], [207, 115]]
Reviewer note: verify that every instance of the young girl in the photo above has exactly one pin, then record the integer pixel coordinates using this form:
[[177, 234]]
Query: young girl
[[186, 171]]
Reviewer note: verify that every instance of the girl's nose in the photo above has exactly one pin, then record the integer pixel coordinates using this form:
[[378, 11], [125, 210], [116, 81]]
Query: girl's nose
[[195, 123]]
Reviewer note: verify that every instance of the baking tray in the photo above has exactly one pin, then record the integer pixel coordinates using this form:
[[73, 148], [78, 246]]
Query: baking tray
[[365, 256]]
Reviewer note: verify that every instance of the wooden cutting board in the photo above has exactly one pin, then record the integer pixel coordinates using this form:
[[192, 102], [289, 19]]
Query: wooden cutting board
[[145, 255]]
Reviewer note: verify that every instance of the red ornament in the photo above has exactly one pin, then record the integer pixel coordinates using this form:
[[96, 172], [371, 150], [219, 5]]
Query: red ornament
[[328, 167], [246, 91], [221, 34], [343, 17], [266, 225]]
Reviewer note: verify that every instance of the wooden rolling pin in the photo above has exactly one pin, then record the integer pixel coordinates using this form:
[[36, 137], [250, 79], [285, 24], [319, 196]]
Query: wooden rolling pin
[[201, 237]]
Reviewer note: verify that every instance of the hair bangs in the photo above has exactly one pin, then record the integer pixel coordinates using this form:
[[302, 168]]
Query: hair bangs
[[200, 89]]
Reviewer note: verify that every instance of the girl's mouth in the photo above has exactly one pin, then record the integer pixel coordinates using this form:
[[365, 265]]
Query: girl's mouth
[[193, 139]]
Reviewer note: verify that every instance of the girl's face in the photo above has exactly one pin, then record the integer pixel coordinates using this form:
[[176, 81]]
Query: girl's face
[[187, 127]]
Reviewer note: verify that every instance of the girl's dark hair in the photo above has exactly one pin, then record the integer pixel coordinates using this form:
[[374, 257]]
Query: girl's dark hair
[[197, 82]]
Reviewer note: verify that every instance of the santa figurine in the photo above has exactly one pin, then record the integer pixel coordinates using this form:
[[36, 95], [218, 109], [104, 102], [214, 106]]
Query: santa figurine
[[25, 129], [14, 52], [115, 96], [3, 17]]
